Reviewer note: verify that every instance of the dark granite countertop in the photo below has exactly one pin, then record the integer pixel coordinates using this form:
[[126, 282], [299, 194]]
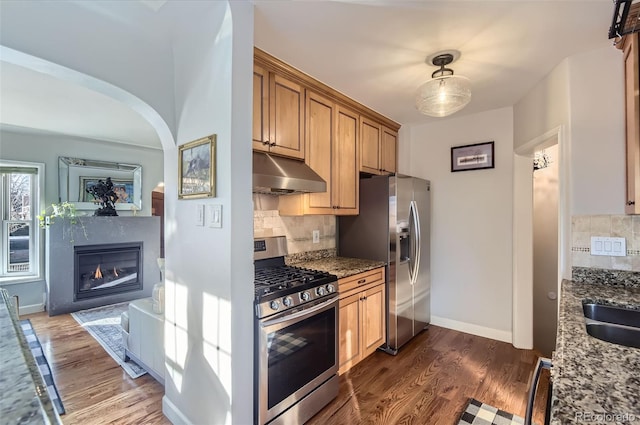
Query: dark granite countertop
[[340, 266], [24, 395], [593, 381]]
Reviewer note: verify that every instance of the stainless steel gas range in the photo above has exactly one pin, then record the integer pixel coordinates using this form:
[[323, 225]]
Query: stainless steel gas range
[[296, 329]]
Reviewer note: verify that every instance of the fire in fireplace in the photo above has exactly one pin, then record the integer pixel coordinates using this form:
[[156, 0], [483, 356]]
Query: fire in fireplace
[[107, 269]]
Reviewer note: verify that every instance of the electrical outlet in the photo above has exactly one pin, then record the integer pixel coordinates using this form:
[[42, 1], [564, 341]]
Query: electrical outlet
[[316, 236], [614, 247]]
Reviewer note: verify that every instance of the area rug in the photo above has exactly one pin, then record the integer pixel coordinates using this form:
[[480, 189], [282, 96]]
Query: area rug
[[479, 413], [43, 365], [103, 323]]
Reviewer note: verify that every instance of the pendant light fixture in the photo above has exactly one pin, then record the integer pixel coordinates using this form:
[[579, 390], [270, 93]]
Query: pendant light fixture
[[445, 93]]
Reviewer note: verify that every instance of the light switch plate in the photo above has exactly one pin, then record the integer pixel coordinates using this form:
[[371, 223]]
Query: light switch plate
[[200, 215], [613, 247], [214, 215]]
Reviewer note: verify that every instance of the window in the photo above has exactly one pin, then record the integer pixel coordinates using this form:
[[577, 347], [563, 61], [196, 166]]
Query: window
[[19, 231]]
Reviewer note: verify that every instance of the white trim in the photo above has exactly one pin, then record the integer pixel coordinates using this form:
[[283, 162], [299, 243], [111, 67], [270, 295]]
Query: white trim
[[30, 309], [522, 314], [471, 328], [173, 413]]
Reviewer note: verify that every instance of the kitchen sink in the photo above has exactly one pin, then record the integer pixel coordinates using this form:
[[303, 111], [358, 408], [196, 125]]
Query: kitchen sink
[[617, 325], [622, 335], [610, 314]]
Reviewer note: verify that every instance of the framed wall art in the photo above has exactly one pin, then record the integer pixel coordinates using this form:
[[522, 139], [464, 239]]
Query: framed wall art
[[196, 168], [472, 157], [122, 187]]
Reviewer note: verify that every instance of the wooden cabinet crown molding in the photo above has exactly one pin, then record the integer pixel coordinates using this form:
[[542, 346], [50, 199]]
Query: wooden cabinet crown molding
[[264, 59]]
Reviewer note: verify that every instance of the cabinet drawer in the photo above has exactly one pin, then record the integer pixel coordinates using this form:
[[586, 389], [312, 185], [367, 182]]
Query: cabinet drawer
[[361, 279]]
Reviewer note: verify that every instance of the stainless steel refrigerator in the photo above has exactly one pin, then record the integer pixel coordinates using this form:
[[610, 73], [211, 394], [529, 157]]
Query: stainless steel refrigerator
[[393, 226]]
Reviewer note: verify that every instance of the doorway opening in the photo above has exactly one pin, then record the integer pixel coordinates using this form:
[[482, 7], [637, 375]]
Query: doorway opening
[[545, 246]]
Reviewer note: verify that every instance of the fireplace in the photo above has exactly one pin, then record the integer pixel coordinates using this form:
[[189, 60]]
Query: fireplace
[[107, 269]]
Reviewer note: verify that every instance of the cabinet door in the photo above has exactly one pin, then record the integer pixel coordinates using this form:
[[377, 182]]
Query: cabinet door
[[631, 51], [286, 117], [370, 135], [260, 109], [319, 139], [350, 351], [373, 319], [388, 148], [346, 176]]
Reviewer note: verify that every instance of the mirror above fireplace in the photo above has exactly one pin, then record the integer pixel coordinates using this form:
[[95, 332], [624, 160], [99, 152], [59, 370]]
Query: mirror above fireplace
[[76, 175]]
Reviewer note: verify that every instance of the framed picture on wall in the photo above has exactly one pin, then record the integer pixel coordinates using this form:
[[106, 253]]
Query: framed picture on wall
[[472, 157], [122, 187], [196, 169]]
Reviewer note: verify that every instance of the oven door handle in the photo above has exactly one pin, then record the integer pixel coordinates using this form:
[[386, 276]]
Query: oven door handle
[[299, 314]]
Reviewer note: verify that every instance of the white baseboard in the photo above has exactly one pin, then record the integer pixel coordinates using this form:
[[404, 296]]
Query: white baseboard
[[30, 309], [173, 413], [470, 328]]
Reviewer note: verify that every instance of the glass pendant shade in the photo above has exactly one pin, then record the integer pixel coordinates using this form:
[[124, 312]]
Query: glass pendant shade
[[442, 96]]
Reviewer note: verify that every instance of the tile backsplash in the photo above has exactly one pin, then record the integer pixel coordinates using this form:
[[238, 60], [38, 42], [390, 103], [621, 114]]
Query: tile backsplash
[[583, 227], [298, 230]]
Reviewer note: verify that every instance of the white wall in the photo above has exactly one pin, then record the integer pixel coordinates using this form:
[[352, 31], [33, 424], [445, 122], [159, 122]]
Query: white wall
[[544, 108], [598, 132], [126, 44], [471, 223], [46, 148], [209, 294]]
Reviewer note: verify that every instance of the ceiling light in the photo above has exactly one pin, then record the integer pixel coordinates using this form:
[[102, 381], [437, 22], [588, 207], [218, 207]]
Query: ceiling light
[[445, 93]]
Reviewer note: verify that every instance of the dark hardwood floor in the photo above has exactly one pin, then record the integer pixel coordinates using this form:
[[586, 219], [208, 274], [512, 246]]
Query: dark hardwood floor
[[428, 382], [432, 378]]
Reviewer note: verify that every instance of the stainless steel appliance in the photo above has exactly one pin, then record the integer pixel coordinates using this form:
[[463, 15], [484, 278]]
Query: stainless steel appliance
[[296, 331], [393, 226], [277, 175]]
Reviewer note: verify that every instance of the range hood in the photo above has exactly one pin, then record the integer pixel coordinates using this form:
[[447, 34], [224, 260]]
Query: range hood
[[275, 175]]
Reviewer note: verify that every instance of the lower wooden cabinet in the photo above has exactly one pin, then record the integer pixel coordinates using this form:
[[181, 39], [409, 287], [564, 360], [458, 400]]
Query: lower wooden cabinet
[[362, 318]]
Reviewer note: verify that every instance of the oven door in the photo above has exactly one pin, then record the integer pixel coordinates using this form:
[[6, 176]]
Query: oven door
[[297, 352]]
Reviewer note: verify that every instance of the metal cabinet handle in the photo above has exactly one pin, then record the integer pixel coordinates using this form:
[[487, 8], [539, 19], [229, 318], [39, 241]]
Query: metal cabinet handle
[[266, 142], [362, 280], [631, 202], [272, 144], [545, 363]]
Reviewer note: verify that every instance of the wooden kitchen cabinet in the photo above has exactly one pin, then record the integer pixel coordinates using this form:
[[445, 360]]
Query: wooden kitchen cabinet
[[331, 151], [378, 148], [278, 114], [631, 54], [362, 317], [388, 148]]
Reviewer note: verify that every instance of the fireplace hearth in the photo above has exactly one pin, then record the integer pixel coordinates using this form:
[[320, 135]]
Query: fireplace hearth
[[107, 269], [68, 290]]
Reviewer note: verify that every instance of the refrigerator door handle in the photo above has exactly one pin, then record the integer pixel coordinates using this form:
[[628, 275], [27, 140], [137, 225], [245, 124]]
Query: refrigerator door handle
[[413, 212]]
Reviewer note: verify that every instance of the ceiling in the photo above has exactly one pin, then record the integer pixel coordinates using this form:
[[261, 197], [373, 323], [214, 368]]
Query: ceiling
[[372, 51], [375, 51]]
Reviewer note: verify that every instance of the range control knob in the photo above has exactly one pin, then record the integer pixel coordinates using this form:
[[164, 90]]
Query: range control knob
[[321, 292], [330, 288], [305, 296], [275, 305], [287, 301]]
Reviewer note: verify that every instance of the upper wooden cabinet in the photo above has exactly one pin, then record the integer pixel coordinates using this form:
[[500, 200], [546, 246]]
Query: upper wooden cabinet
[[332, 149], [378, 148], [631, 54], [278, 114]]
